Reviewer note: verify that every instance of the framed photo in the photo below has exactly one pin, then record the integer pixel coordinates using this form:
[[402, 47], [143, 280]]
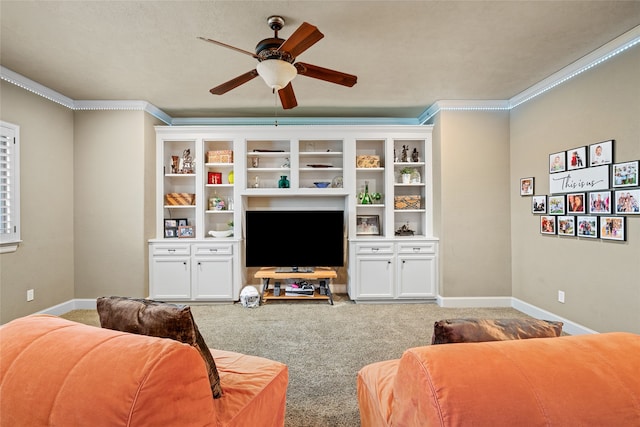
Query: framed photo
[[600, 202], [601, 153], [557, 162], [556, 205], [526, 186], [587, 226], [182, 222], [368, 225], [566, 226], [170, 223], [548, 224], [186, 231], [576, 204], [170, 232], [577, 158], [612, 228], [539, 204], [625, 174], [627, 202]]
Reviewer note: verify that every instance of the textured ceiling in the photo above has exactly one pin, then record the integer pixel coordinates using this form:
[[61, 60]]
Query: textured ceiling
[[406, 54]]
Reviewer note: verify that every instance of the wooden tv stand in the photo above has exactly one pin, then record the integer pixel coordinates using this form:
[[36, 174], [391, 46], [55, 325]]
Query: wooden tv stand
[[321, 274]]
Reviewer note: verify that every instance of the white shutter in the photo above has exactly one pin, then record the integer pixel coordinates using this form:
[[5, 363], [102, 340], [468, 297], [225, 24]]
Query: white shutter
[[9, 185]]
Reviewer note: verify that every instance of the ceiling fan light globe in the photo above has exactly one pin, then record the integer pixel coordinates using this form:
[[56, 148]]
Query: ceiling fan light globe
[[276, 73]]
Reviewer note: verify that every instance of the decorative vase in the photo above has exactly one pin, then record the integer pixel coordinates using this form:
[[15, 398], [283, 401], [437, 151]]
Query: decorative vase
[[284, 182], [230, 177], [365, 198], [406, 178]]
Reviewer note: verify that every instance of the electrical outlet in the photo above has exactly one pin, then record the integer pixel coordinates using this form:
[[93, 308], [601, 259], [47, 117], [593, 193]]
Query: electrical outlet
[[30, 295], [561, 296]]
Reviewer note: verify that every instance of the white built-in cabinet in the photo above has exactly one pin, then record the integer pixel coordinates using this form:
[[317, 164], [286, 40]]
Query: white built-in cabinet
[[381, 266]]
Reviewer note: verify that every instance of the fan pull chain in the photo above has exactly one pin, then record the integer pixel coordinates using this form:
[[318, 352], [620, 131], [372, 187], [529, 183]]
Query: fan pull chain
[[275, 107]]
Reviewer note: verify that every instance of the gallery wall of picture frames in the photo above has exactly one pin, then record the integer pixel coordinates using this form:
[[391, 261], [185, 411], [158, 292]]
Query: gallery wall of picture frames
[[589, 195]]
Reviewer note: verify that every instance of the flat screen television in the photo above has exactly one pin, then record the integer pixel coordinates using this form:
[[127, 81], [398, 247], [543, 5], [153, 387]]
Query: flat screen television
[[294, 240]]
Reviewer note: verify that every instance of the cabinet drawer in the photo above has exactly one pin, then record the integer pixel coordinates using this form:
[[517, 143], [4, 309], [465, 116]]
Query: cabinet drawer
[[213, 249], [374, 248], [417, 248], [171, 249]]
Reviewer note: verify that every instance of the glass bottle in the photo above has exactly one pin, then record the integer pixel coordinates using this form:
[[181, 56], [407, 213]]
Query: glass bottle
[[284, 182], [365, 198]]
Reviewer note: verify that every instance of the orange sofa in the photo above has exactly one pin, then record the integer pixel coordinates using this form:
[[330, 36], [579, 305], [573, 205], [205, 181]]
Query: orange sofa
[[585, 380], [60, 373]]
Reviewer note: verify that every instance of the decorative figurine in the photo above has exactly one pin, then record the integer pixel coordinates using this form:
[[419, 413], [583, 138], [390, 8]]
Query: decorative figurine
[[175, 164], [187, 161], [414, 155], [405, 149], [404, 231]]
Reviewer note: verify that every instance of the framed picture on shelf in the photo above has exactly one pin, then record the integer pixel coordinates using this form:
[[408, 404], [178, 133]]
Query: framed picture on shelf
[[612, 228], [557, 162], [182, 222], [600, 202], [601, 153], [368, 225], [170, 232], [548, 224], [526, 186], [577, 158], [556, 205], [627, 202], [575, 203], [587, 226], [566, 225], [170, 223], [539, 204], [186, 231], [625, 174]]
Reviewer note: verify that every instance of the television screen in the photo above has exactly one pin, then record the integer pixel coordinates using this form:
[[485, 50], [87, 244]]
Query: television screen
[[294, 238]]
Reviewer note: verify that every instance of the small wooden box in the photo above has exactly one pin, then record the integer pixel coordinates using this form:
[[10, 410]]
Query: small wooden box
[[220, 156], [179, 199], [367, 161], [407, 202]]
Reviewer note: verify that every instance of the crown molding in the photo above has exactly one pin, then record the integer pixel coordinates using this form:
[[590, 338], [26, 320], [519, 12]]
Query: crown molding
[[605, 52]]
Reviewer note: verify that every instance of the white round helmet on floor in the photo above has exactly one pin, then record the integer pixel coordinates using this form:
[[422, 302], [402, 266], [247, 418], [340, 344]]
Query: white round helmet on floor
[[249, 297]]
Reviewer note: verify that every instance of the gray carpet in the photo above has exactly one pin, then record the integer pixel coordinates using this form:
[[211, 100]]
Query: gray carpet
[[324, 346]]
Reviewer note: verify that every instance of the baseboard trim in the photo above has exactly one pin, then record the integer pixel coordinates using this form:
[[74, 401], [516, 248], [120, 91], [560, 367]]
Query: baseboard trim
[[470, 302], [74, 304], [572, 328], [569, 327]]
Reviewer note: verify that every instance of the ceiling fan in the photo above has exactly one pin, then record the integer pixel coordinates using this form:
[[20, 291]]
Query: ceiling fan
[[276, 65]]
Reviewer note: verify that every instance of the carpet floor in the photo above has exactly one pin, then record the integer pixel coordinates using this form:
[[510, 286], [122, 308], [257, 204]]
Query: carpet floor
[[324, 346]]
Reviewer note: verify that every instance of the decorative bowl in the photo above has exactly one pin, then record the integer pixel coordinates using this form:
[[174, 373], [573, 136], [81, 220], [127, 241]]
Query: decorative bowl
[[223, 233], [322, 184]]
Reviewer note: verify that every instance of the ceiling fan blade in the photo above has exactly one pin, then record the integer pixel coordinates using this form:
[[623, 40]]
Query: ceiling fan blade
[[234, 83], [287, 97], [302, 39], [246, 52], [326, 74]]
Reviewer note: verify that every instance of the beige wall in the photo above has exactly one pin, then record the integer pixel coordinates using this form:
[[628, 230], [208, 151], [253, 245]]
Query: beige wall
[[472, 192], [114, 190], [44, 261], [601, 279]]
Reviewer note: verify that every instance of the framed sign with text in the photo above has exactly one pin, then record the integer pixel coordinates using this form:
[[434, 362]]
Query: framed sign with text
[[588, 179]]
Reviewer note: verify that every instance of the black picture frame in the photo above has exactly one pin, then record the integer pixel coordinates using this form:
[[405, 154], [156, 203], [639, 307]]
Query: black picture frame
[[539, 204], [577, 158], [625, 174], [548, 224], [566, 225], [601, 153], [557, 205], [627, 202], [557, 162], [587, 226], [576, 203], [527, 186], [613, 228], [600, 202]]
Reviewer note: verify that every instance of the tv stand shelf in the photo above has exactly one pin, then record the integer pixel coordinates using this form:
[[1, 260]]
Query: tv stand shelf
[[323, 274]]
